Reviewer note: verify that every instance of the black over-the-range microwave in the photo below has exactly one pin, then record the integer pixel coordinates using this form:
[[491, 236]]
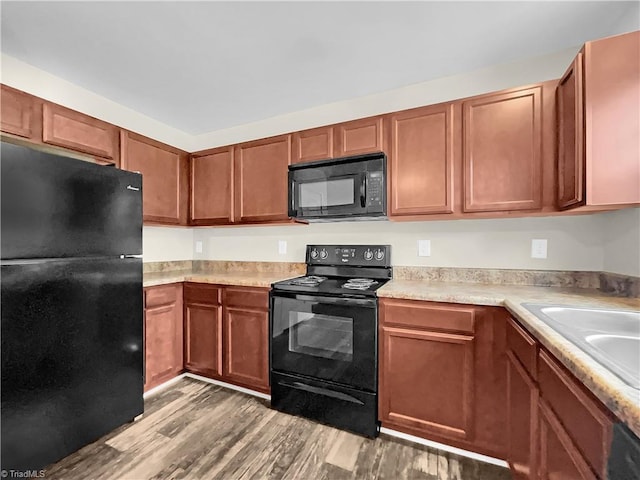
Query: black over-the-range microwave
[[349, 188]]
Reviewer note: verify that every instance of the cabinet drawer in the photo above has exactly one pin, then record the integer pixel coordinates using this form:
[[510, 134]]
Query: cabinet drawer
[[202, 293], [586, 421], [523, 346], [246, 298], [161, 295], [428, 315]]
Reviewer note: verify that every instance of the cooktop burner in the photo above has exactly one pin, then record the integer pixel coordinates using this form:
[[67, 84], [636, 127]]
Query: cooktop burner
[[342, 270]]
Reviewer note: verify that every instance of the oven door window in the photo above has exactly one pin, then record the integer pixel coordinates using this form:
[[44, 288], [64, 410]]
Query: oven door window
[[325, 336], [320, 338]]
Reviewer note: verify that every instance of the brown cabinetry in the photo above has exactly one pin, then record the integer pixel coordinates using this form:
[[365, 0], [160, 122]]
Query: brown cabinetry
[[165, 186], [441, 373], [557, 429], [358, 137], [73, 130], [421, 160], [162, 334], [246, 337], [18, 115], [502, 151], [598, 101], [310, 145], [203, 329], [212, 187], [261, 180]]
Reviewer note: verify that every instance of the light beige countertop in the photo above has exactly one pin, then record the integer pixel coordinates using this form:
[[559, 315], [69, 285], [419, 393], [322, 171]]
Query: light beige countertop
[[245, 279], [620, 398]]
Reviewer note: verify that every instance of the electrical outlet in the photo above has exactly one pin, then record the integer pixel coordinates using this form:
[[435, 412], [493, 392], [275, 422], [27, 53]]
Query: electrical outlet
[[424, 248], [539, 248], [198, 247], [282, 247]]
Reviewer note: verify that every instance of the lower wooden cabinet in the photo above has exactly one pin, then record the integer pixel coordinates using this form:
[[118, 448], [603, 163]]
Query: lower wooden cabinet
[[203, 329], [162, 333], [442, 373], [227, 334]]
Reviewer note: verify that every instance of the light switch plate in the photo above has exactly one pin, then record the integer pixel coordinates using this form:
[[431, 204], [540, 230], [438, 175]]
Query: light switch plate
[[282, 247], [424, 248], [198, 247], [539, 248]]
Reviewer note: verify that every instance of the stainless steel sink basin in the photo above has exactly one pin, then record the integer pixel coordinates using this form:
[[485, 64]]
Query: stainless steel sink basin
[[612, 337]]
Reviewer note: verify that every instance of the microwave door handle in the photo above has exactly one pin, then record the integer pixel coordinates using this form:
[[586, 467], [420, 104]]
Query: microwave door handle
[[363, 191]]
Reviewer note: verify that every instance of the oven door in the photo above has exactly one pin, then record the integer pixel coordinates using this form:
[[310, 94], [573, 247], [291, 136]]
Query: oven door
[[326, 338]]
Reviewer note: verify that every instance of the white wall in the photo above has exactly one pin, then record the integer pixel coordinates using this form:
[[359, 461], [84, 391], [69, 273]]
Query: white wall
[[165, 244], [622, 242], [574, 243]]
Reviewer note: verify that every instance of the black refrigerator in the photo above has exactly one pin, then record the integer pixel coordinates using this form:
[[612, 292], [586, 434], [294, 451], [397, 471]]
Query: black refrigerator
[[71, 304]]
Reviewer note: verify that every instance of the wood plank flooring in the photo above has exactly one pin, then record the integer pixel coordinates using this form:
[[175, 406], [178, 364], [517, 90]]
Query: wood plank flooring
[[195, 430]]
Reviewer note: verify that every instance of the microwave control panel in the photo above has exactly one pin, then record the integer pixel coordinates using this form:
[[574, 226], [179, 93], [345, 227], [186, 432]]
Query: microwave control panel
[[375, 189]]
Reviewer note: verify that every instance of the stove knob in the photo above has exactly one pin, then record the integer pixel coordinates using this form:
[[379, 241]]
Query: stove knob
[[314, 253], [368, 254], [323, 254], [379, 254]]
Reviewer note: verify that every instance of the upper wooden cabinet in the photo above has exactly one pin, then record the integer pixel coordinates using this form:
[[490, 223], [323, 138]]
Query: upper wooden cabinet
[[164, 169], [570, 112], [18, 115], [599, 125], [502, 151], [261, 180], [310, 145], [421, 160], [358, 137], [76, 131], [212, 187]]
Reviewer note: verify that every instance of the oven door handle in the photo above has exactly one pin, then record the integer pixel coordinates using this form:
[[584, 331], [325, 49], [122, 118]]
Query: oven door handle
[[320, 391], [360, 302]]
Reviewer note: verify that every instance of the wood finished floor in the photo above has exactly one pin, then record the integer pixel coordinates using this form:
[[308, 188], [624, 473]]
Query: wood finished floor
[[195, 430]]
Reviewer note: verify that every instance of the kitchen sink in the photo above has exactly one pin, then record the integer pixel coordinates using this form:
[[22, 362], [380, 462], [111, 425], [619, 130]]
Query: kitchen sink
[[612, 337]]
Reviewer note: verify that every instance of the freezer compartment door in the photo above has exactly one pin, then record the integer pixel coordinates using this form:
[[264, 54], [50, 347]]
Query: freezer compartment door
[[55, 206], [72, 353]]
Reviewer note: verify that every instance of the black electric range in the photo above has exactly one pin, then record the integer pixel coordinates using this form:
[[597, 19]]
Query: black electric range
[[323, 330]]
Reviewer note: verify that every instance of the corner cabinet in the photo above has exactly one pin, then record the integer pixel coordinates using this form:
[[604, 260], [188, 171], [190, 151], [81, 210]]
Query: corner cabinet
[[598, 102], [162, 333], [459, 350], [212, 187], [165, 185], [261, 180], [421, 158]]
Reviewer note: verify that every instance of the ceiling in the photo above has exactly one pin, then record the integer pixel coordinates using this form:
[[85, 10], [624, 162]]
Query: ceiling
[[206, 66]]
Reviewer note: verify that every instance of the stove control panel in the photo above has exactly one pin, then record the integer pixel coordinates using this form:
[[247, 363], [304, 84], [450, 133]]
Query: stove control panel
[[353, 255]]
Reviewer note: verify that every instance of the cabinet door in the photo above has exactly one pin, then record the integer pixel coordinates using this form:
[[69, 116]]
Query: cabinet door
[[426, 381], [421, 160], [261, 176], [17, 112], [246, 347], [203, 339], [570, 108], [559, 458], [502, 151], [310, 145], [212, 188], [165, 187], [76, 131], [359, 136], [522, 420], [163, 334]]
